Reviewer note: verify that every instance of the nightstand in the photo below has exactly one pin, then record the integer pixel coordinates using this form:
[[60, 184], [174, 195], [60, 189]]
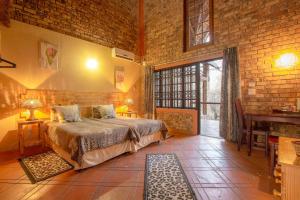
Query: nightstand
[[129, 114], [21, 124]]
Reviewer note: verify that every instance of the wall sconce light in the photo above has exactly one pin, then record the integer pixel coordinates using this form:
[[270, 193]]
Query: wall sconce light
[[92, 64], [287, 60], [129, 101]]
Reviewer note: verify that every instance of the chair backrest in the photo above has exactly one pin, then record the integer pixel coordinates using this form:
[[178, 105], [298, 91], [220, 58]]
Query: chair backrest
[[240, 113]]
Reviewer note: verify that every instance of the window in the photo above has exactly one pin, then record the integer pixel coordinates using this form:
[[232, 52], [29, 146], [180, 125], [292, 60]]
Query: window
[[176, 87], [198, 16]]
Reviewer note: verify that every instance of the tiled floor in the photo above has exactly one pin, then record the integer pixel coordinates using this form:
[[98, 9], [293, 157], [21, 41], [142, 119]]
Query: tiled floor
[[214, 167]]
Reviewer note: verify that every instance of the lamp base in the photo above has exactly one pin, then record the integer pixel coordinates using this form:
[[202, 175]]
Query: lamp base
[[31, 116]]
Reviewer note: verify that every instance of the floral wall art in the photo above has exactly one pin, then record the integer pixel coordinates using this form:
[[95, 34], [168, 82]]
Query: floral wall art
[[49, 55], [119, 77]]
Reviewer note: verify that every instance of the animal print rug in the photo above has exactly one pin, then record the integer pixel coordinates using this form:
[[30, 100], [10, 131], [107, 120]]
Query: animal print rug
[[165, 179], [45, 165]]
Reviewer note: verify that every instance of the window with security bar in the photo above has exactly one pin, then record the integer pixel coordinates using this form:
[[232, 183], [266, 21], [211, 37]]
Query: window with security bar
[[198, 16], [176, 87]]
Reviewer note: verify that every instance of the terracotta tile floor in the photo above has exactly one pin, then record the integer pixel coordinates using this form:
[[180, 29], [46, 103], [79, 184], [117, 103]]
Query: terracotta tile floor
[[214, 167]]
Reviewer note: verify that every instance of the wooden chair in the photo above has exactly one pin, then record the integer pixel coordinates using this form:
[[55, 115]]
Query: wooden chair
[[243, 131]]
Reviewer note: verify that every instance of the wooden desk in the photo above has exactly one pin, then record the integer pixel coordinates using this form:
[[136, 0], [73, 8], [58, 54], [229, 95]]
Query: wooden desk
[[22, 123], [272, 117]]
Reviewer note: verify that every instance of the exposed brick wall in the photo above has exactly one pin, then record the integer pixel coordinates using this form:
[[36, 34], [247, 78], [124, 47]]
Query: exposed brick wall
[[4, 12], [260, 29], [179, 120], [12, 95], [84, 99], [110, 23]]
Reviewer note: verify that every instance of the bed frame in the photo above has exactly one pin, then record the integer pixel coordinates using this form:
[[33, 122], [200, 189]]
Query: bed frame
[[98, 156]]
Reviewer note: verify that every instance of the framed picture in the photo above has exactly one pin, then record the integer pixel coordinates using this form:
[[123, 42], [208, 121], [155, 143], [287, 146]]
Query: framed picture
[[49, 55], [119, 77]]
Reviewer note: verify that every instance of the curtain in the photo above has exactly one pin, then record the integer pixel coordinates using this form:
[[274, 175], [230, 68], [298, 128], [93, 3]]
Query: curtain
[[230, 91], [5, 6], [149, 92]]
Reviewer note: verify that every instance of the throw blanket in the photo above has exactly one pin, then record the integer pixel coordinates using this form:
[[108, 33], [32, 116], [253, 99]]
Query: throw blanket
[[78, 138], [139, 127]]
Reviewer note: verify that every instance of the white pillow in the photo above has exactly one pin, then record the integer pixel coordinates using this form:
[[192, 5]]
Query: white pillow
[[103, 111], [69, 113]]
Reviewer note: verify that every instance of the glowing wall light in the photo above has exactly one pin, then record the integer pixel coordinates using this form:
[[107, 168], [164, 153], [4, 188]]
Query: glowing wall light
[[287, 60], [91, 64]]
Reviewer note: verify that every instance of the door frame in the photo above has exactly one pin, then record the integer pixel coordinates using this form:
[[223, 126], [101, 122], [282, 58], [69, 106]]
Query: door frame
[[198, 101]]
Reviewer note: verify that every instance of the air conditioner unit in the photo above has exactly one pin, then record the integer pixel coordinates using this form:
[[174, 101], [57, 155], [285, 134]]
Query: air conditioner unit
[[120, 53]]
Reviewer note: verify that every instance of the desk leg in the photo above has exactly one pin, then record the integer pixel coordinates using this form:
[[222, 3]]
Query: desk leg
[[249, 134]]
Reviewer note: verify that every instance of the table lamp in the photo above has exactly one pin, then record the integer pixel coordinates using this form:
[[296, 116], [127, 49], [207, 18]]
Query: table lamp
[[129, 102], [31, 105]]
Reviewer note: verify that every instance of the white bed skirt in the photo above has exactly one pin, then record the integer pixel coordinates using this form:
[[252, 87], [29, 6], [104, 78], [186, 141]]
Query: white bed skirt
[[98, 156]]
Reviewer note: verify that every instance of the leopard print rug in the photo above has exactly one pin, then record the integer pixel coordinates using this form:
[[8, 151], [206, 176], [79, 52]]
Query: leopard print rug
[[165, 179], [45, 165]]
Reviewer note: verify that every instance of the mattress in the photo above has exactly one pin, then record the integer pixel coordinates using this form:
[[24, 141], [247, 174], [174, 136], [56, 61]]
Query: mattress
[[138, 127]]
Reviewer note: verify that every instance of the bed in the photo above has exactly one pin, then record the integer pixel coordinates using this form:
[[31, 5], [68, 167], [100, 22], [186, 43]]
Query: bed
[[142, 131], [93, 141], [88, 142]]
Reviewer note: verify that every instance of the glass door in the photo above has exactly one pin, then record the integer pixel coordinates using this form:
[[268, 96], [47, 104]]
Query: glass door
[[210, 97]]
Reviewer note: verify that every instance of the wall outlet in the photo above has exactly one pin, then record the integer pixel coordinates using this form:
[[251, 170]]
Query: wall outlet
[[252, 84], [251, 91]]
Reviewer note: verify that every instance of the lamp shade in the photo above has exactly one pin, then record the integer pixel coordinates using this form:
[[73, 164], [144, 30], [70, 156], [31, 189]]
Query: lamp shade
[[31, 103]]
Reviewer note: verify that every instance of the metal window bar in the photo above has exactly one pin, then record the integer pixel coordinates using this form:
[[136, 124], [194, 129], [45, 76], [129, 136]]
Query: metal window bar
[[176, 87], [180, 90]]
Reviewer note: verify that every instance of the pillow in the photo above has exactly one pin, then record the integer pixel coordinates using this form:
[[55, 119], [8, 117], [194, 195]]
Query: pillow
[[68, 113], [104, 111], [96, 112]]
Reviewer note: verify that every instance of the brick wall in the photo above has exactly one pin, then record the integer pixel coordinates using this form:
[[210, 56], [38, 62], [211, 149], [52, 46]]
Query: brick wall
[[84, 99], [14, 94], [179, 120], [260, 29], [110, 23]]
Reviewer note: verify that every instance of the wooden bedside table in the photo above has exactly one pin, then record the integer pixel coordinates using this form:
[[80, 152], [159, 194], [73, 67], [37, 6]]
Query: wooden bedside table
[[22, 123]]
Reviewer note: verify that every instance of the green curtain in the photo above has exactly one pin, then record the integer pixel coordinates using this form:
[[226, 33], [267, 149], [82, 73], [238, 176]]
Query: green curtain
[[230, 91], [149, 92]]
